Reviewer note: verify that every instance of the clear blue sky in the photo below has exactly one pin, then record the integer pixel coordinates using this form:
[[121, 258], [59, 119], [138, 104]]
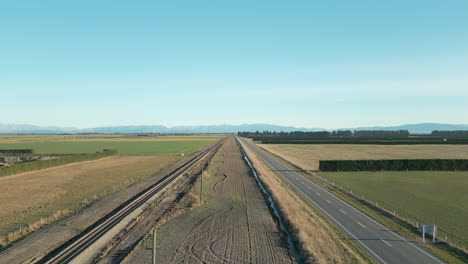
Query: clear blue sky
[[305, 63]]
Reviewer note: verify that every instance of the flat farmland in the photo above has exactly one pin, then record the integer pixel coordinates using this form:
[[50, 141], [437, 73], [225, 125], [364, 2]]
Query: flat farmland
[[431, 197], [30, 196], [307, 156], [5, 138], [124, 146], [233, 225]]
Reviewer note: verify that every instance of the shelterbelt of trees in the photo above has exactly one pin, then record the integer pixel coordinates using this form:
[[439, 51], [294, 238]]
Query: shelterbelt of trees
[[354, 134]]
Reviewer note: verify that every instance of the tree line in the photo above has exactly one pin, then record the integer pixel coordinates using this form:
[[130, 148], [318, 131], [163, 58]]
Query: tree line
[[326, 134], [451, 133]]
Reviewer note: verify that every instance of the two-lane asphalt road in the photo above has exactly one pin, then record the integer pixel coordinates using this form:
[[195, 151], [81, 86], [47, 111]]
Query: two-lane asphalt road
[[380, 242]]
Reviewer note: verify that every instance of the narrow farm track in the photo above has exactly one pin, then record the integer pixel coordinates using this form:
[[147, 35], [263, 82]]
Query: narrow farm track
[[234, 225], [74, 249]]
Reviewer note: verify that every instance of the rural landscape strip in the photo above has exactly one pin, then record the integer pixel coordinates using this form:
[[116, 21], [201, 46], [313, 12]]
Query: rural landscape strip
[[37, 244], [232, 225], [402, 251], [76, 250], [318, 239], [175, 201], [274, 208], [449, 252]]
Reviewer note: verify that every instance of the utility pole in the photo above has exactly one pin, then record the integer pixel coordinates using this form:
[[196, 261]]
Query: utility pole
[[201, 184], [154, 246], [434, 233]]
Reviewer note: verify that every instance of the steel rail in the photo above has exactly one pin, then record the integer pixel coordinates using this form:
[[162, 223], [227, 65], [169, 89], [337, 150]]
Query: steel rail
[[87, 238]]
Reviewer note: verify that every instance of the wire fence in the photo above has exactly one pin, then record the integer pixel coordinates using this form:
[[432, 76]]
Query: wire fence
[[442, 235]]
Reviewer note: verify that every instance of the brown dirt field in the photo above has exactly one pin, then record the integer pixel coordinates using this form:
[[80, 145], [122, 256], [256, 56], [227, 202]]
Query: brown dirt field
[[307, 156], [31, 196], [318, 241], [233, 225]]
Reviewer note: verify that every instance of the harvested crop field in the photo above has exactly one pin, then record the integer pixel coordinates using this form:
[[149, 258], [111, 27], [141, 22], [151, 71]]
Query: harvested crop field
[[308, 156], [233, 225], [30, 196]]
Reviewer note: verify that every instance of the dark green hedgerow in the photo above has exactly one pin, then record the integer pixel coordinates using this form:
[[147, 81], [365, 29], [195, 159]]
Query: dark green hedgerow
[[16, 151], [43, 164], [395, 165], [372, 142]]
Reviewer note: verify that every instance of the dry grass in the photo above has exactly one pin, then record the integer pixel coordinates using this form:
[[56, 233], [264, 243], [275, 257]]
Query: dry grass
[[34, 199], [318, 240], [308, 156]]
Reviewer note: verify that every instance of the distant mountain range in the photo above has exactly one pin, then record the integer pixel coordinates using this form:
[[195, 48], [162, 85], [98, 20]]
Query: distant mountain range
[[32, 129]]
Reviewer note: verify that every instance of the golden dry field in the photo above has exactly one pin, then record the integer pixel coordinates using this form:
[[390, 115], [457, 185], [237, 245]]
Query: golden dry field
[[30, 196], [307, 156]]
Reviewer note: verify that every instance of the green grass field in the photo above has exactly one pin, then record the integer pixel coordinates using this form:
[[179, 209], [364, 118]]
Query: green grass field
[[123, 147], [429, 197]]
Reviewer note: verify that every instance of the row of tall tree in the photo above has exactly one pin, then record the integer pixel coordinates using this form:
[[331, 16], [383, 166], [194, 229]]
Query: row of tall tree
[[324, 134], [452, 133]]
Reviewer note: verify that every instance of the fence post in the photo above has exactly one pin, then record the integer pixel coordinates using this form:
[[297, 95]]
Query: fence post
[[424, 234], [154, 246]]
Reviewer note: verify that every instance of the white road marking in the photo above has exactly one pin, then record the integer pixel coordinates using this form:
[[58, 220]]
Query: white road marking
[[386, 243], [342, 211], [257, 151], [328, 202], [318, 194], [361, 225], [336, 221]]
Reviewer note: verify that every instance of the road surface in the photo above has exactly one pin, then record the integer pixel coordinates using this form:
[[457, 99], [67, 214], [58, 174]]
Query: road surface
[[381, 243]]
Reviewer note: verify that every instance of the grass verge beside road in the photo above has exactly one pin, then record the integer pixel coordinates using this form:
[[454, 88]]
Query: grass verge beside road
[[319, 240]]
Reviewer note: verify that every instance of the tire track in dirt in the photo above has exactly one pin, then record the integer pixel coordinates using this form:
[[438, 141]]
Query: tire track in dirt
[[218, 182], [197, 226], [233, 226]]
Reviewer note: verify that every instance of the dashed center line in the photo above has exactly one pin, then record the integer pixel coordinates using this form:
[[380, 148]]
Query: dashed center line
[[318, 194], [342, 211], [361, 225], [386, 243], [328, 202]]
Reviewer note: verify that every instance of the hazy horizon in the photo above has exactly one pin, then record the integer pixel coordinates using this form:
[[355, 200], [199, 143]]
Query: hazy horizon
[[242, 124]]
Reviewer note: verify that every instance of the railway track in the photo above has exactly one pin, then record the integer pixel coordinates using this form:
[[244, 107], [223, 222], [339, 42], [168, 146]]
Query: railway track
[[73, 248]]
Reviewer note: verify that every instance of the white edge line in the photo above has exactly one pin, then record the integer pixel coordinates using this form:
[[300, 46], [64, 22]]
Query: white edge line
[[375, 254], [357, 211], [386, 228]]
